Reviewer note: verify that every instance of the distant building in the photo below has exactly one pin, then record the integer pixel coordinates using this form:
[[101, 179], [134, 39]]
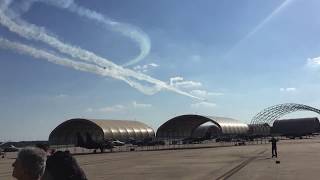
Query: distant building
[[187, 126], [206, 130], [259, 129], [296, 127], [99, 131]]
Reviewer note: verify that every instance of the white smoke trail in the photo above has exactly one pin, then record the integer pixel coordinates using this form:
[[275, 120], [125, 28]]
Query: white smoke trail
[[127, 30], [31, 31], [42, 54]]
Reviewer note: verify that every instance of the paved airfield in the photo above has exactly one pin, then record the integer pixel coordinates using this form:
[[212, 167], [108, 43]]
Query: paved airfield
[[300, 159]]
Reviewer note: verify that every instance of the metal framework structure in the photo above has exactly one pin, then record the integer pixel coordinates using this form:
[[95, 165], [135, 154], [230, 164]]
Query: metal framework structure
[[270, 114]]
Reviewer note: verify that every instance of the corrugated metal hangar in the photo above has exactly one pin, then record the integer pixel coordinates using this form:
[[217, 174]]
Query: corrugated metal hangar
[[207, 130], [99, 131], [296, 127], [89, 131], [259, 129], [184, 126]]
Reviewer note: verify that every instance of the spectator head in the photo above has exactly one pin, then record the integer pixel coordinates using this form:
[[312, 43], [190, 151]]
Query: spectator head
[[30, 164], [62, 166], [43, 146]]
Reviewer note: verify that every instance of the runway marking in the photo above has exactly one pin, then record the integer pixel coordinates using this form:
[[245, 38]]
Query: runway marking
[[234, 170]]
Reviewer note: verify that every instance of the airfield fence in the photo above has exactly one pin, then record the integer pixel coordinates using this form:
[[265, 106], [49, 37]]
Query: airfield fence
[[170, 144]]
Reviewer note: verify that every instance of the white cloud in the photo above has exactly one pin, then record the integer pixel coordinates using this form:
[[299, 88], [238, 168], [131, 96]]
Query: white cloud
[[313, 62], [290, 89], [205, 94], [115, 108], [145, 67], [153, 65], [203, 105], [140, 105], [178, 82]]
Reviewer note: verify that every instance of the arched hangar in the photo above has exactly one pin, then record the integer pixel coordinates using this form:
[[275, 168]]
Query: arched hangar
[[259, 129], [270, 114], [296, 127], [69, 131], [186, 126]]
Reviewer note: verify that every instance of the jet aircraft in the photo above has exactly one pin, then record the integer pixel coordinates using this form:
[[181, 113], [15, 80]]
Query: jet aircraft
[[91, 144]]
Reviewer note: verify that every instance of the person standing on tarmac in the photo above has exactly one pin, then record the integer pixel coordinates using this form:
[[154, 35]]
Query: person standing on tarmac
[[274, 146]]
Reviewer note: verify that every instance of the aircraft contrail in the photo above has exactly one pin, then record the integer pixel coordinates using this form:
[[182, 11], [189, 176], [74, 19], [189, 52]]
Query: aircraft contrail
[[128, 30], [42, 54], [267, 19], [260, 25], [94, 63]]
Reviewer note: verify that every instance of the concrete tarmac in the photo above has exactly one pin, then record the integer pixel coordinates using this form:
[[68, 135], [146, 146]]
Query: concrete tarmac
[[299, 159]]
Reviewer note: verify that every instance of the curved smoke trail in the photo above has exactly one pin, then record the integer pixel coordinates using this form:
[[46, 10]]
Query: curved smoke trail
[[94, 63], [127, 30]]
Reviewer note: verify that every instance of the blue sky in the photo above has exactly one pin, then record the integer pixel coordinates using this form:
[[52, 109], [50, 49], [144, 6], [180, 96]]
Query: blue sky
[[151, 61]]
